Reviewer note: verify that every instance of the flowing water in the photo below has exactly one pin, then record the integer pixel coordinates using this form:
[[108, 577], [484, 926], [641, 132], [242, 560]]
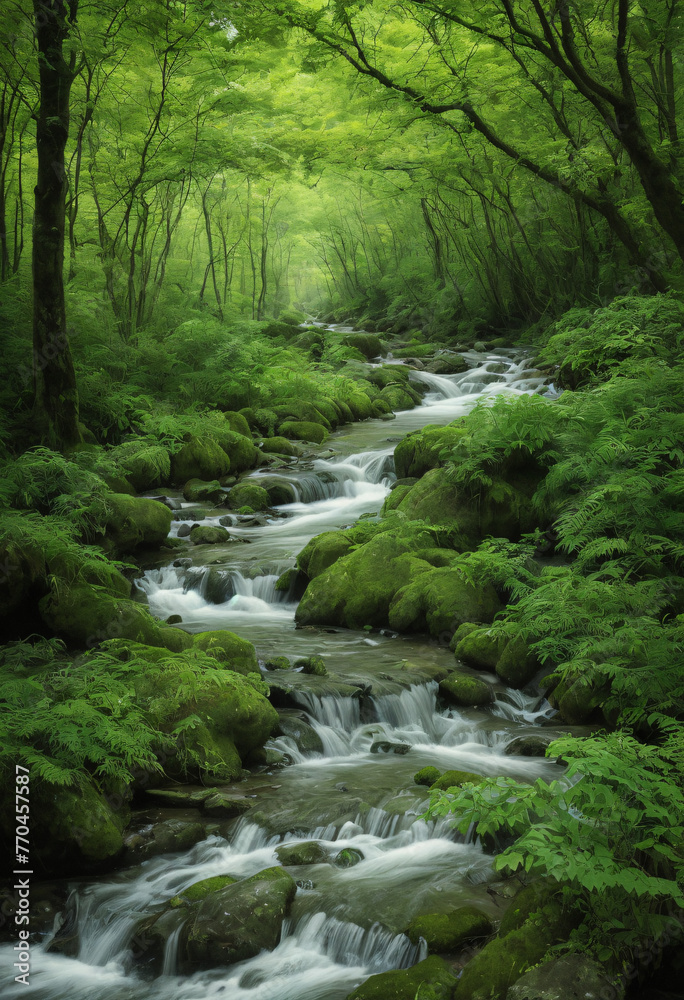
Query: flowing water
[[345, 923]]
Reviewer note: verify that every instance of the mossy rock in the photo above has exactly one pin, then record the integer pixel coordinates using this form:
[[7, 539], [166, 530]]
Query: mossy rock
[[569, 977], [366, 343], [200, 890], [579, 700], [135, 522], [145, 466], [277, 329], [304, 735], [309, 852], [431, 979], [465, 690], [199, 458], [76, 567], [239, 921], [420, 450], [197, 491], [427, 776], [300, 410], [439, 601], [238, 423], [385, 375], [448, 931], [74, 829], [479, 649], [454, 779], [303, 430], [314, 665], [399, 398], [208, 534], [229, 649], [247, 494], [280, 446], [322, 551], [348, 857], [504, 960], [358, 588], [395, 497], [85, 617], [280, 491], [360, 405], [517, 664], [278, 663]]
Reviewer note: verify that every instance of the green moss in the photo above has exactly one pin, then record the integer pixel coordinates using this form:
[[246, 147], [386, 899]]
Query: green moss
[[312, 665], [199, 458], [399, 397], [420, 451], [197, 491], [229, 649], [75, 825], [307, 853], [322, 551], [348, 857], [439, 601], [454, 779], [448, 931], [517, 664], [247, 494], [303, 430], [479, 649], [200, 890], [431, 979], [85, 617], [208, 534], [145, 466], [427, 776], [278, 663], [135, 522], [238, 423], [302, 411], [462, 689], [367, 343], [280, 446], [76, 566]]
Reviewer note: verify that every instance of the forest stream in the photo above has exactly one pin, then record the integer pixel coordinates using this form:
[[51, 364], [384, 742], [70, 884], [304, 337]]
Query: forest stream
[[354, 795]]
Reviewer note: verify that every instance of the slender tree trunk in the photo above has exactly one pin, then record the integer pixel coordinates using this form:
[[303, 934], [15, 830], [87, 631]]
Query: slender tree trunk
[[56, 394]]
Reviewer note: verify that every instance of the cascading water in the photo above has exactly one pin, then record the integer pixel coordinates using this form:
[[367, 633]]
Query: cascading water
[[352, 790]]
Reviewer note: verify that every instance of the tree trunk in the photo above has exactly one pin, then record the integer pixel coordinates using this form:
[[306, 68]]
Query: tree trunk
[[56, 395]]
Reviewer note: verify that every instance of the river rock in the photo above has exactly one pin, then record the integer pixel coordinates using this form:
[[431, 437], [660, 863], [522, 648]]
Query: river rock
[[208, 534], [277, 663], [432, 977], [229, 649], [518, 664], [304, 735], [240, 920], [85, 617], [322, 551], [465, 690], [156, 832], [421, 450], [238, 423], [314, 665], [227, 805], [135, 522], [571, 977], [439, 601], [528, 746], [308, 852], [303, 430], [454, 779], [448, 364], [280, 446], [348, 857], [366, 343], [385, 746], [248, 494], [427, 775], [183, 796], [448, 931], [478, 648], [199, 458], [197, 491]]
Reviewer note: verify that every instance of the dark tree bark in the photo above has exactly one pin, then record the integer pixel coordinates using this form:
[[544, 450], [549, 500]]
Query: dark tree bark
[[56, 394]]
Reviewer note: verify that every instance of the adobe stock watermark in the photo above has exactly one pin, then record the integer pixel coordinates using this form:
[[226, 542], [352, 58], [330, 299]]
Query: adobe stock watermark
[[22, 873]]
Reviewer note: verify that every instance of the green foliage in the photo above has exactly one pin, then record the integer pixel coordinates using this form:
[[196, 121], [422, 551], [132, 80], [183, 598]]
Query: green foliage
[[610, 831]]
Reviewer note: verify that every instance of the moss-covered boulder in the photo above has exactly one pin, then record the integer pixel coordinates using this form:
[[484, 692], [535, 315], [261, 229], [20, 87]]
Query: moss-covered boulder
[[74, 566], [439, 601], [280, 446], [427, 775], [359, 404], [208, 534], [229, 649], [358, 588], [463, 689], [421, 450], [238, 423], [75, 829], [385, 375], [399, 397], [248, 494], [85, 617], [313, 665], [431, 978], [454, 779], [240, 920], [199, 891], [199, 458], [197, 491], [308, 852], [519, 946], [578, 700], [145, 466], [570, 977], [303, 430], [448, 931], [134, 522], [301, 410], [304, 735], [480, 649], [517, 664], [367, 343], [322, 551]]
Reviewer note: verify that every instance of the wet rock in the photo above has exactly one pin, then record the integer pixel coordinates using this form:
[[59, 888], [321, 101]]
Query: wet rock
[[448, 931], [198, 491], [304, 735], [207, 534], [439, 601], [366, 343], [85, 616], [571, 977], [238, 423], [303, 430], [200, 458], [174, 620], [135, 522], [385, 746], [173, 503], [240, 920], [432, 977], [420, 450], [278, 663], [152, 834], [322, 551], [479, 649], [228, 521], [448, 364], [312, 665], [248, 494], [528, 746], [229, 649], [183, 797], [427, 776], [309, 852], [227, 805], [199, 891], [280, 446], [465, 690], [517, 664], [182, 563], [349, 857], [184, 530]]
